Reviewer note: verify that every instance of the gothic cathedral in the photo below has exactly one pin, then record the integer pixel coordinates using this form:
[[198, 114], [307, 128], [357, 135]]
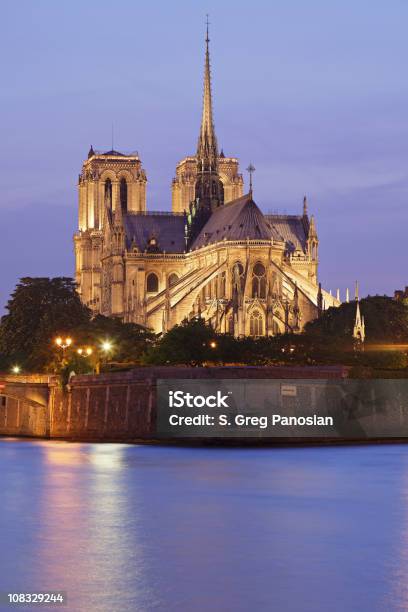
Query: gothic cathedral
[[216, 255]]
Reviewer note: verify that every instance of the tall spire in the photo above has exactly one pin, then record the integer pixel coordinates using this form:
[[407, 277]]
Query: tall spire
[[207, 148], [209, 190]]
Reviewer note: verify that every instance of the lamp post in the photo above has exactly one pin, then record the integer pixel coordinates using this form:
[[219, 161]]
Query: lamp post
[[63, 344], [16, 369], [85, 352], [106, 349]]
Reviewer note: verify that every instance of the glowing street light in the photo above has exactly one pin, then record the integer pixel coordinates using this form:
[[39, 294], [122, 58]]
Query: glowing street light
[[213, 344], [85, 352], [107, 346], [16, 369], [63, 343]]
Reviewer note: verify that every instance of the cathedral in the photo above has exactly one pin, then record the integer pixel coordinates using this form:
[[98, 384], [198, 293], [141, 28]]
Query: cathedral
[[215, 255]]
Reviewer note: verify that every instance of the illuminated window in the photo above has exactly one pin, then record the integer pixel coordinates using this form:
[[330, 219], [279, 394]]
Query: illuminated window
[[256, 326], [259, 281]]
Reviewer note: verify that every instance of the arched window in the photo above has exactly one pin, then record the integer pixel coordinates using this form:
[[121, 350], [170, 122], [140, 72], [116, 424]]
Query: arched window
[[123, 191], [256, 325], [259, 281], [173, 278], [108, 193], [152, 283]]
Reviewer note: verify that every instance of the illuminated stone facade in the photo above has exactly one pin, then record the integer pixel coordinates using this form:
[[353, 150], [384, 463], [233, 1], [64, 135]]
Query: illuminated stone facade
[[216, 255]]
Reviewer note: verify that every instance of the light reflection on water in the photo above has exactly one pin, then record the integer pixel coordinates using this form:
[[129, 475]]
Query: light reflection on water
[[128, 528]]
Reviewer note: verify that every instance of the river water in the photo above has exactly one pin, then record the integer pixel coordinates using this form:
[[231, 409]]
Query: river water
[[137, 528]]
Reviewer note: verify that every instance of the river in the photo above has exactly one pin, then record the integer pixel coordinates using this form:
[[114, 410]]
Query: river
[[137, 528]]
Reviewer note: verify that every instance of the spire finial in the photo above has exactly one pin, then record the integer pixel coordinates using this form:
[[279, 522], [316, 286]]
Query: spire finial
[[207, 39], [356, 293], [251, 170], [305, 206]]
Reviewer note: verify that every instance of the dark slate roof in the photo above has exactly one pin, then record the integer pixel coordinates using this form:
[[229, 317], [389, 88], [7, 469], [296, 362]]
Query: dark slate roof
[[112, 152], [237, 220], [292, 230], [167, 228]]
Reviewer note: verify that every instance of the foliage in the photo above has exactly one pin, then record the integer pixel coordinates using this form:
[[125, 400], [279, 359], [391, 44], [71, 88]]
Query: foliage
[[39, 308], [386, 320], [129, 340], [187, 343]]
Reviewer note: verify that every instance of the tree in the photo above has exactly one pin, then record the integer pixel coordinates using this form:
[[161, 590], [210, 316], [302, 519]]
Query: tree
[[130, 341], [191, 343], [38, 309], [386, 320]]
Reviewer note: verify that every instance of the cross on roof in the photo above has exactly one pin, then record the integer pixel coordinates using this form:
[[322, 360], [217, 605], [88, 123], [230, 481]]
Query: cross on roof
[[251, 170]]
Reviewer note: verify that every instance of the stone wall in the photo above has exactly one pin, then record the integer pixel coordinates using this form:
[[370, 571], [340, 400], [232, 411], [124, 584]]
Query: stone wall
[[111, 407]]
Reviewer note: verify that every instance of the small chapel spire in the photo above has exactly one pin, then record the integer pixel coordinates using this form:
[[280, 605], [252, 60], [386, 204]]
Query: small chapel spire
[[359, 326]]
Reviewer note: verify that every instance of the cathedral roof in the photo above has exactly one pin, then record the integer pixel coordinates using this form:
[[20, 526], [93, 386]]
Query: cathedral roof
[[166, 228], [240, 219], [112, 152], [292, 230], [237, 220]]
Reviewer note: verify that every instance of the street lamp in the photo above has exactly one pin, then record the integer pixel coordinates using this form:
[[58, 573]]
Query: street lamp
[[63, 343], [107, 346], [85, 352], [213, 344], [16, 369]]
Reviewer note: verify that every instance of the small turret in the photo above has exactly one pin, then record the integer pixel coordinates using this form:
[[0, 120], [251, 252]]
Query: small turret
[[312, 240]]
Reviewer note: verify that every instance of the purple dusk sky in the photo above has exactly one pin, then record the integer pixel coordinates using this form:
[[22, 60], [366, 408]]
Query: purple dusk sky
[[314, 93]]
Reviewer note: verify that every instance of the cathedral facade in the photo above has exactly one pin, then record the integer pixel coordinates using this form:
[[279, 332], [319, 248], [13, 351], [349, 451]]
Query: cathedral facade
[[215, 255]]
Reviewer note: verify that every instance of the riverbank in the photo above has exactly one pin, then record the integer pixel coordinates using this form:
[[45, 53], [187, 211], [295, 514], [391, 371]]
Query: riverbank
[[116, 407]]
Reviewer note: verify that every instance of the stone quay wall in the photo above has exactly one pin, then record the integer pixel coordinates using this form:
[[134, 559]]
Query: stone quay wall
[[114, 406]]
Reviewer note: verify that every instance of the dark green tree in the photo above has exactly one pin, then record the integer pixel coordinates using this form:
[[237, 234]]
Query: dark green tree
[[386, 320], [129, 341], [39, 309], [191, 343]]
